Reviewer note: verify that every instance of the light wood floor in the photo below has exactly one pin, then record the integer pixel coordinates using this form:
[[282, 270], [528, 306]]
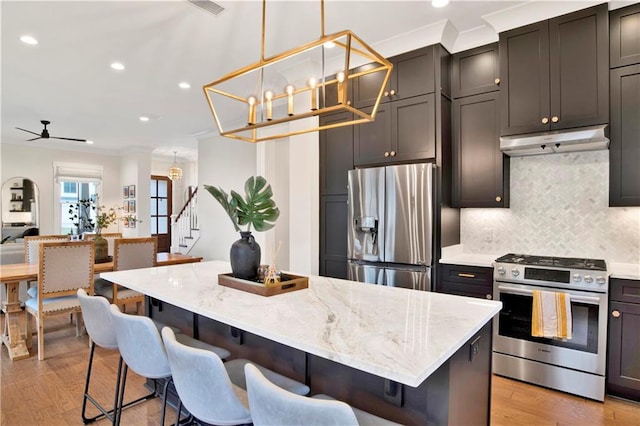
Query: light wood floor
[[49, 392]]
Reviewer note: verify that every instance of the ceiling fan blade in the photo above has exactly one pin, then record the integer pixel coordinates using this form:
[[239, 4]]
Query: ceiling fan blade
[[34, 138], [28, 131], [68, 139]]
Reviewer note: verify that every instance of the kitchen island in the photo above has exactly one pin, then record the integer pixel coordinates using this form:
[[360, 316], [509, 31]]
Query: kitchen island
[[413, 357]]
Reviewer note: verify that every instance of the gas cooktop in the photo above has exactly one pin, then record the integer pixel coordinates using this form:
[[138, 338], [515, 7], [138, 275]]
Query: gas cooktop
[[557, 262]]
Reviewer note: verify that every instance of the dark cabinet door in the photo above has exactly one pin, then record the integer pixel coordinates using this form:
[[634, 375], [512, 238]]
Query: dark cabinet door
[[578, 63], [372, 141], [480, 170], [624, 149], [333, 236], [336, 154], [412, 75], [524, 73], [625, 36], [413, 135], [476, 71], [623, 378]]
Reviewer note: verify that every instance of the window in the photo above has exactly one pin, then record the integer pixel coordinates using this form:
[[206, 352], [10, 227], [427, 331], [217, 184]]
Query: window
[[67, 200], [75, 182]]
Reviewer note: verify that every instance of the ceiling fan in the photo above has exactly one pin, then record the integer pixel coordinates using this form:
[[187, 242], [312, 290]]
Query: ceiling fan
[[45, 133]]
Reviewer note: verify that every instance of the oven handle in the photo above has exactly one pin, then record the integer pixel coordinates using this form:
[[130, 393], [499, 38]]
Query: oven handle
[[574, 298]]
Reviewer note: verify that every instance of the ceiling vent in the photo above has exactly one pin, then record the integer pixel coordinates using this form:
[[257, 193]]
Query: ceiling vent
[[209, 6]]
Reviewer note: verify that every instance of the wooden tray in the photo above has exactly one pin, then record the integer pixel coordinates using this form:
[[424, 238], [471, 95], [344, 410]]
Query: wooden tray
[[292, 283]]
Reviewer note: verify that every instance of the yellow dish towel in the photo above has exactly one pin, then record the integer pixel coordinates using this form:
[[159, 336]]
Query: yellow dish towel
[[551, 315]]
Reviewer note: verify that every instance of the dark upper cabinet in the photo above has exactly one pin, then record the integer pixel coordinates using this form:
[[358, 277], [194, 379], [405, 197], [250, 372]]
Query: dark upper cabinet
[[403, 130], [554, 73], [623, 357], [412, 75], [624, 135], [625, 36], [476, 71], [480, 170], [336, 154]]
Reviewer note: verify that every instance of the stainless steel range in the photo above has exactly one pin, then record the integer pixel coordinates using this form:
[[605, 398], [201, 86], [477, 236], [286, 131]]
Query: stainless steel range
[[575, 365]]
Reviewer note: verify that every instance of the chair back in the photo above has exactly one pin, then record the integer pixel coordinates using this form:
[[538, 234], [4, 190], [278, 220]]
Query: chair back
[[134, 253], [32, 246], [272, 405], [140, 344], [64, 267], [110, 237], [203, 384], [97, 320]]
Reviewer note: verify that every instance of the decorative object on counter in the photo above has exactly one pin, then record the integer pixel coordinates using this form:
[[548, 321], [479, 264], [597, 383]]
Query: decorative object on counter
[[258, 92], [272, 275], [257, 208], [288, 283]]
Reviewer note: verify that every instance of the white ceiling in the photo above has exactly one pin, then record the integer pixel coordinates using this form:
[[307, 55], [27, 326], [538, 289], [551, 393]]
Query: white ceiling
[[67, 79]]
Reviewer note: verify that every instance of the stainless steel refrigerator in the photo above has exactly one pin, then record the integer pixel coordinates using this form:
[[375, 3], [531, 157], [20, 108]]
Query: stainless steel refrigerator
[[390, 225]]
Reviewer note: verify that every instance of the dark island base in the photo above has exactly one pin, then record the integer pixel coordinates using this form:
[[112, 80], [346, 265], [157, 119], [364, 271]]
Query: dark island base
[[457, 393]]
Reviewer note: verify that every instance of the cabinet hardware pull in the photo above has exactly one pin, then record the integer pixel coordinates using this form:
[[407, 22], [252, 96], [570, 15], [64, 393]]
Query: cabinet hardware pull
[[386, 153], [496, 81], [555, 119], [488, 296], [386, 94], [545, 120], [463, 275], [393, 153], [393, 92], [615, 313], [498, 198]]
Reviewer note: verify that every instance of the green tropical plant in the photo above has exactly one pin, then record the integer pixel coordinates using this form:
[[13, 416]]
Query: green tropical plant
[[256, 208]]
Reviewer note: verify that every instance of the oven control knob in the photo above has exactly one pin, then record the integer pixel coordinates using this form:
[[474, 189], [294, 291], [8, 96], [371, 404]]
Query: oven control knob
[[577, 278], [501, 270], [601, 280], [515, 272], [588, 279]]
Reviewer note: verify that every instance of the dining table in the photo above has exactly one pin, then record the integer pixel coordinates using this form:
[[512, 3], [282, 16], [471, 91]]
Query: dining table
[[11, 275]]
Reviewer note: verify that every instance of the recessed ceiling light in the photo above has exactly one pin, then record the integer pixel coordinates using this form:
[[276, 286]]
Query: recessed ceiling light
[[144, 118], [118, 66], [184, 85], [439, 3], [27, 39], [89, 142]]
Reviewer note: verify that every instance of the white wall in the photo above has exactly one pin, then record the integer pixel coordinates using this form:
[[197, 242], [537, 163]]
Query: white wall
[[559, 207], [136, 170], [37, 165], [227, 163]]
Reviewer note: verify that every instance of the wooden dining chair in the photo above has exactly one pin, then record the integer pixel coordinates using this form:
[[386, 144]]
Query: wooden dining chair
[[64, 267], [129, 253], [110, 237]]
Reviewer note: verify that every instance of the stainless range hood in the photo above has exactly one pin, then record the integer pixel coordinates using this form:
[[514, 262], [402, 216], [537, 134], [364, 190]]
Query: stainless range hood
[[591, 138]]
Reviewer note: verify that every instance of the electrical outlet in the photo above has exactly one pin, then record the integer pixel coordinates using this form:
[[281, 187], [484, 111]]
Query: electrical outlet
[[474, 348], [488, 235]]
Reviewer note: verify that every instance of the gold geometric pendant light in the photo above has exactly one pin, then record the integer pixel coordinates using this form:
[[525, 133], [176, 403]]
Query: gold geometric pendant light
[[256, 103]]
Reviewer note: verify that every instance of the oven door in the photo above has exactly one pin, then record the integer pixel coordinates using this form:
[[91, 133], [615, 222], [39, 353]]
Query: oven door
[[585, 351]]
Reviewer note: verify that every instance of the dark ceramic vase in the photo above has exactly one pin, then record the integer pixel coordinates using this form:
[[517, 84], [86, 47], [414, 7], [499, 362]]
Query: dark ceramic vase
[[245, 257]]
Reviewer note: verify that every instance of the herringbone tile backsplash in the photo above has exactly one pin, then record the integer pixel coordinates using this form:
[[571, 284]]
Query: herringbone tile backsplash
[[559, 207]]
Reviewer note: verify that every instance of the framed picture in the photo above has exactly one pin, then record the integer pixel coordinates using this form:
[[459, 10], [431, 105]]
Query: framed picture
[[132, 222], [132, 206], [125, 222], [125, 206], [132, 191], [125, 192]]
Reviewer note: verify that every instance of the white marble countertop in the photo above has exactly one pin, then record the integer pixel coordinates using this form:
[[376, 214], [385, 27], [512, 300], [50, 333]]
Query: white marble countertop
[[403, 335], [624, 270], [454, 255]]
